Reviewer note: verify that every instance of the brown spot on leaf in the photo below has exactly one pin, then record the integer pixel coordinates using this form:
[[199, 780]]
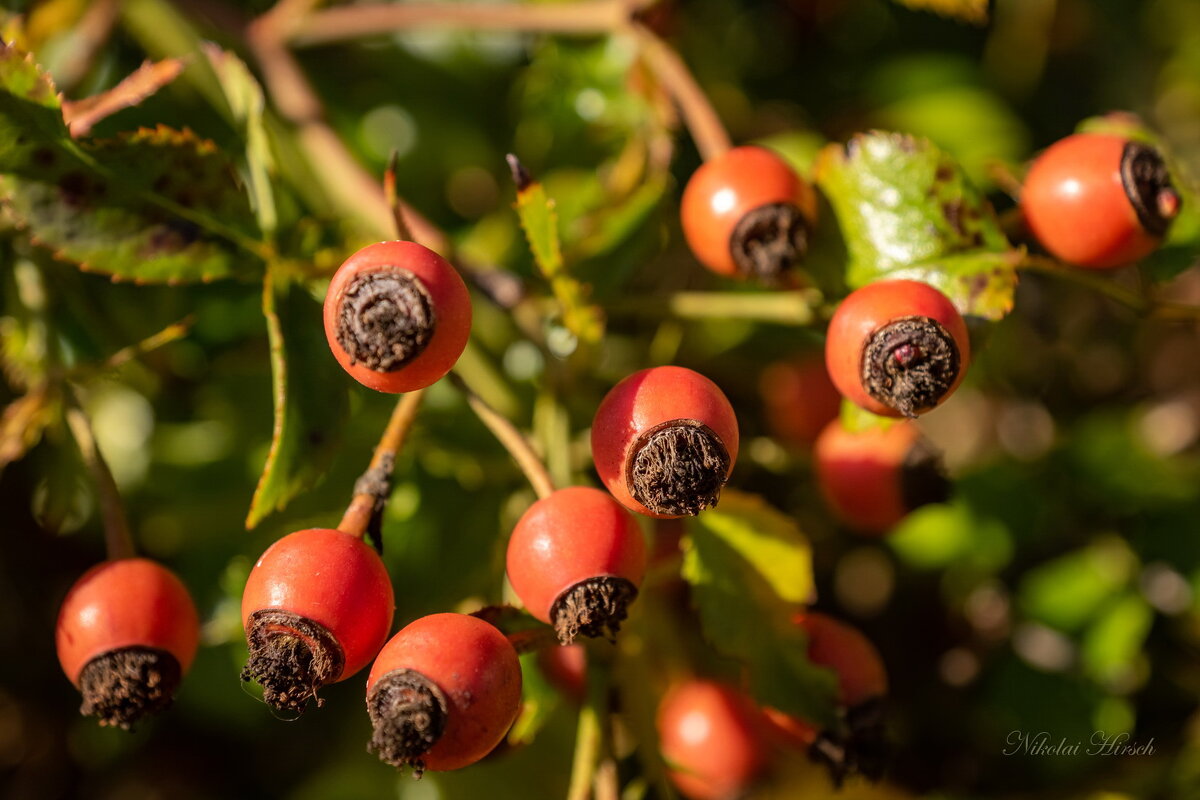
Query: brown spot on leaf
[[953, 212], [43, 157]]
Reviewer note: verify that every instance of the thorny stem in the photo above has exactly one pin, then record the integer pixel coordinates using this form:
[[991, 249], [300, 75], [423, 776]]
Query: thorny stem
[[118, 541], [701, 118], [513, 440], [365, 505]]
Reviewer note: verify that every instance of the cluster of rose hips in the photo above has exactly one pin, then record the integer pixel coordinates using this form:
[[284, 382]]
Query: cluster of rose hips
[[318, 605]]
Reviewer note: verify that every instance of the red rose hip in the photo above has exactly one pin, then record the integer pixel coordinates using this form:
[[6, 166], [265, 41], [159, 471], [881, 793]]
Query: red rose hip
[[798, 399], [1099, 201], [316, 609], [442, 693], [127, 633], [897, 348], [576, 560], [746, 213], [871, 479], [843, 649], [711, 737], [664, 441], [397, 316]]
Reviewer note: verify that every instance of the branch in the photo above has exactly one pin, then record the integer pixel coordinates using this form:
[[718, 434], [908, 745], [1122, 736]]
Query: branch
[[117, 539], [701, 118], [588, 18], [513, 440], [1135, 301], [373, 488], [799, 307]]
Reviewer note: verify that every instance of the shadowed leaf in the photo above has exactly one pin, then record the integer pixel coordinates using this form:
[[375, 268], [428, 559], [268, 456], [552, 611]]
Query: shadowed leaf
[[311, 402]]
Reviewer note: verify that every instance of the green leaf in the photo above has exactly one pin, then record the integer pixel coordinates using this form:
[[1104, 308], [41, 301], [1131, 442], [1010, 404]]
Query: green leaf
[[940, 535], [539, 220], [1068, 592], [30, 111], [750, 568], [152, 205], [906, 209], [311, 401], [1113, 642], [245, 98], [973, 11]]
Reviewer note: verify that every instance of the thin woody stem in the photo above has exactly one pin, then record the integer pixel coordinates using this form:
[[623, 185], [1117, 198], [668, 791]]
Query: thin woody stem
[[588, 18], [701, 118], [117, 539], [365, 505], [512, 439], [1135, 301]]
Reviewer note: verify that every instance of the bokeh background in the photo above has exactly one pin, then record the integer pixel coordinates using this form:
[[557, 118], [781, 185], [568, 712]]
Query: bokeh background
[[1058, 591]]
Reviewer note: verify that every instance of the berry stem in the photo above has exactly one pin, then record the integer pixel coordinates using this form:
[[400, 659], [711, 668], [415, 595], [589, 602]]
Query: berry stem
[[393, 199], [367, 502], [589, 734], [507, 434], [118, 541], [701, 118]]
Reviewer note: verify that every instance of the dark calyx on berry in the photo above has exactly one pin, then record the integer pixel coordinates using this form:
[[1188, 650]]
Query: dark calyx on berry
[[386, 319], [408, 714], [594, 607], [122, 686], [910, 364], [859, 748], [291, 657], [678, 467], [769, 241], [923, 476], [1148, 186]]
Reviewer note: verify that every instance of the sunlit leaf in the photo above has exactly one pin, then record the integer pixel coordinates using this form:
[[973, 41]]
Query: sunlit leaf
[[939, 535], [245, 99], [311, 401], [750, 568], [540, 223], [1068, 591], [906, 209], [1114, 641], [152, 205]]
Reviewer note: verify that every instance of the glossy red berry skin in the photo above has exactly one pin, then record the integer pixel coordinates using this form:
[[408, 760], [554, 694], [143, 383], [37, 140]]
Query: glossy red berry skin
[[478, 672], [1076, 204], [333, 579], [725, 188], [799, 400], [850, 654], [130, 602], [571, 536], [450, 301], [712, 739], [645, 400], [873, 307], [872, 479]]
